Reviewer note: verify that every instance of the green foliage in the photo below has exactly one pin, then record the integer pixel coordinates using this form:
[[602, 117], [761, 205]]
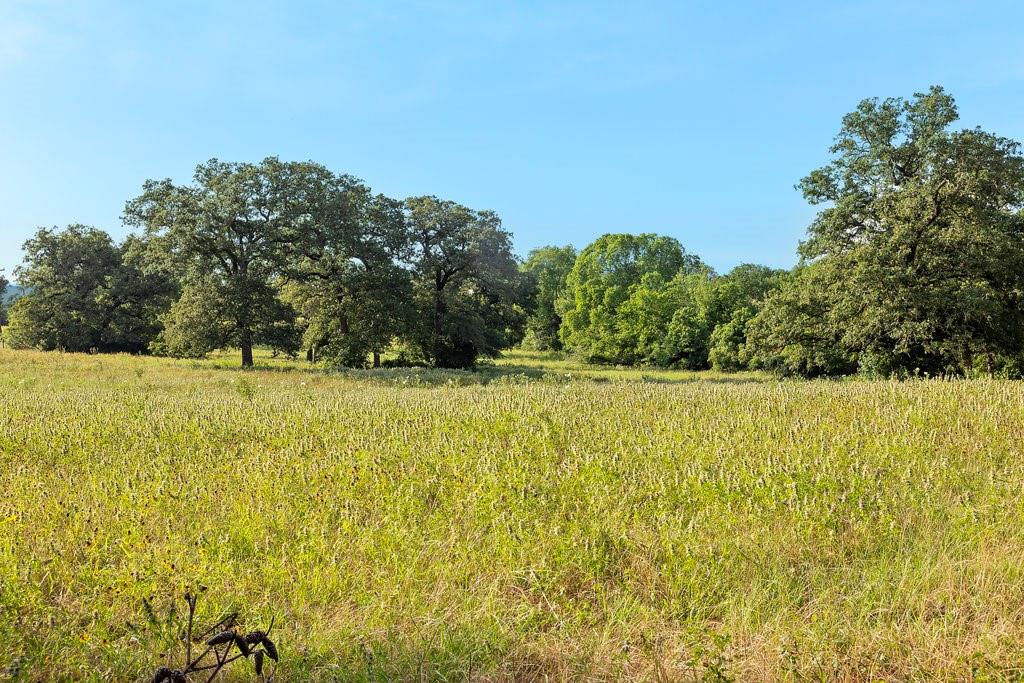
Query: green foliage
[[228, 235], [706, 301], [3, 298], [615, 301], [205, 318], [141, 292], [281, 255], [792, 335], [643, 300], [919, 255], [87, 293], [467, 287], [742, 293], [728, 340], [701, 307], [548, 268], [347, 281], [644, 317], [193, 326], [68, 273]]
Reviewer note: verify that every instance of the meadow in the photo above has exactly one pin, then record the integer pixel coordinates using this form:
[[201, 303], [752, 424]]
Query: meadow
[[536, 520]]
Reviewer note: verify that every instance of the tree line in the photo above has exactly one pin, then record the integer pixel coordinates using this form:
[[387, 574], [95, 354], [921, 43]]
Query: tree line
[[915, 264], [278, 254]]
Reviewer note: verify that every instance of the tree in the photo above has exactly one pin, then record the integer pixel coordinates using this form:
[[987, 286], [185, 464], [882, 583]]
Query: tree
[[672, 321], [347, 280], [141, 292], [920, 246], [230, 235], [3, 299], [68, 272], [87, 293], [644, 319], [548, 268], [616, 301], [698, 305], [467, 286], [792, 334], [740, 294]]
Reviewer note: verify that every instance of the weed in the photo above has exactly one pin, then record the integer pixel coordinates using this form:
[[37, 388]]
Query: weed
[[224, 645]]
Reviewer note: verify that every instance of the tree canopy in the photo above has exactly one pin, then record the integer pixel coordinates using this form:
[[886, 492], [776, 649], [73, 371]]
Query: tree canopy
[[84, 292], [347, 278], [917, 260], [229, 234], [914, 263], [291, 254], [547, 268], [615, 301], [467, 286]]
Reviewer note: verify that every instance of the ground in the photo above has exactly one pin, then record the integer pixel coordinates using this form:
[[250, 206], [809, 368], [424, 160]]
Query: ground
[[537, 520]]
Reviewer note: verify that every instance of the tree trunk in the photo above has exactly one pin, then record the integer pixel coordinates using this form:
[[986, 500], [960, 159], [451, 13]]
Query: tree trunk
[[438, 325], [245, 341], [376, 359]]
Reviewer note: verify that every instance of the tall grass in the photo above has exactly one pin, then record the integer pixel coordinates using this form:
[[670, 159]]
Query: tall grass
[[511, 530]]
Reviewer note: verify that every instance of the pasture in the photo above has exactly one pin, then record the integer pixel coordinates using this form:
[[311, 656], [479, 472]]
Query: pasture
[[537, 520]]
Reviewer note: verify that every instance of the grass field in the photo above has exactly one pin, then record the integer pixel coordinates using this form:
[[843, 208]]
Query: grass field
[[539, 520]]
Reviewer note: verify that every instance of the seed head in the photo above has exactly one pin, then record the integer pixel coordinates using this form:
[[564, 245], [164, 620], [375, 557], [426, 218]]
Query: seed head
[[221, 638], [254, 637], [269, 646]]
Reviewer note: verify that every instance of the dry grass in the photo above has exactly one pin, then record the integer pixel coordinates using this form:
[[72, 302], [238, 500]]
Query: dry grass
[[531, 528]]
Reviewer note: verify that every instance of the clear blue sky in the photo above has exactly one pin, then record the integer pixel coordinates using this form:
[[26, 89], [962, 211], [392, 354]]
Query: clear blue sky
[[571, 119]]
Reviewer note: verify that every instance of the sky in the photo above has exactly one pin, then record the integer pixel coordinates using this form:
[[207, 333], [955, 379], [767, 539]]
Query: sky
[[570, 119]]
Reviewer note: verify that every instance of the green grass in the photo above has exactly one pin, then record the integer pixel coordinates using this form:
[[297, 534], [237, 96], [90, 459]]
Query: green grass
[[558, 365], [516, 366], [512, 523]]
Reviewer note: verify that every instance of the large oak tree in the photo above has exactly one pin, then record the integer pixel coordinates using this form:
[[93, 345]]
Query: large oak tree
[[467, 283], [347, 278], [230, 233], [918, 255]]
